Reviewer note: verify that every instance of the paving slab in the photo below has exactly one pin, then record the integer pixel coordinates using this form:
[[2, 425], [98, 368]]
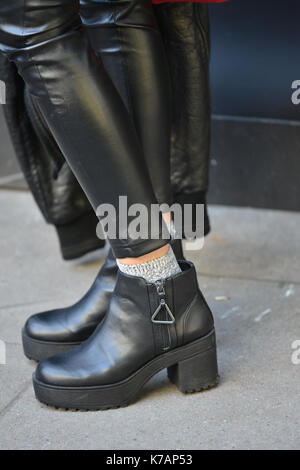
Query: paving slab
[[250, 277], [32, 269], [10, 172], [251, 243], [256, 405], [15, 375]]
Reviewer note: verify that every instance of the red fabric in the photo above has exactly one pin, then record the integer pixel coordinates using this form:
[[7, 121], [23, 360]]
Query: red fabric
[[196, 1]]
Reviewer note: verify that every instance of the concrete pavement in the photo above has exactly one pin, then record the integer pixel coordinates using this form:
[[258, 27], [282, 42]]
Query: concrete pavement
[[249, 273]]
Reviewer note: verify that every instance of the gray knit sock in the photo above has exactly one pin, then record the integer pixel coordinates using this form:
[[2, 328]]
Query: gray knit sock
[[154, 270]]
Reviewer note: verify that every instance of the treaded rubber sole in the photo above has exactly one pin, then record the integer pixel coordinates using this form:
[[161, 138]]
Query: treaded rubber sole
[[192, 367], [37, 350]]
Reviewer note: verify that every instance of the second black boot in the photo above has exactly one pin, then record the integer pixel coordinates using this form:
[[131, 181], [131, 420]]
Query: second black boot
[[148, 327], [57, 331]]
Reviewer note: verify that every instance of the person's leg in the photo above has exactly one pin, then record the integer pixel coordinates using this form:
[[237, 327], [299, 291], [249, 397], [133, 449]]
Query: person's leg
[[149, 325], [185, 32], [51, 181], [128, 49], [129, 43], [130, 46], [81, 106], [131, 49]]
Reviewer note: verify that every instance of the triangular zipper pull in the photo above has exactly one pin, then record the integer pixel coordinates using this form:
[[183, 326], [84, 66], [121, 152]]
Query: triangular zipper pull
[[162, 305]]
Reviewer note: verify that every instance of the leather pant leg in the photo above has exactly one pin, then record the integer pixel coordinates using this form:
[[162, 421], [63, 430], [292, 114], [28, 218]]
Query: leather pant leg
[[82, 108], [130, 46], [185, 32]]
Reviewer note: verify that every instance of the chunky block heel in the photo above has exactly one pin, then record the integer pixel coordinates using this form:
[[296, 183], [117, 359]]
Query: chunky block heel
[[200, 372]]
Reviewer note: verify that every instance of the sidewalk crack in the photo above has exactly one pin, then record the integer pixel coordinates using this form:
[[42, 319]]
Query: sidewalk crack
[[14, 400]]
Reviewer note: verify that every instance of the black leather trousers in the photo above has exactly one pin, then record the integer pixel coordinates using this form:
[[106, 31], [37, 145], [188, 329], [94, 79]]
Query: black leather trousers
[[82, 108]]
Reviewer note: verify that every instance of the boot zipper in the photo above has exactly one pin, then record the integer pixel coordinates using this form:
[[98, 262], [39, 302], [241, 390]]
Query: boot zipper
[[164, 308], [160, 288]]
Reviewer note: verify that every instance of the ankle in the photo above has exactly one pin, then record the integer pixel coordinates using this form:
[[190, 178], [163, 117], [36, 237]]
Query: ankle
[[155, 268], [145, 258]]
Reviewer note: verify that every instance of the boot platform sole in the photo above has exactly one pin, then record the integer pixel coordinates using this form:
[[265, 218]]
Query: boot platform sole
[[192, 367], [37, 350]]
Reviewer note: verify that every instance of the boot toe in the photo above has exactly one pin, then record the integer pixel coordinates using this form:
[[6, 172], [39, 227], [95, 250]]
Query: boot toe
[[51, 372], [49, 326], [67, 369], [37, 327]]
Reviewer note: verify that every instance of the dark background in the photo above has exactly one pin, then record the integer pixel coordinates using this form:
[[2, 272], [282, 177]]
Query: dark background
[[255, 57]]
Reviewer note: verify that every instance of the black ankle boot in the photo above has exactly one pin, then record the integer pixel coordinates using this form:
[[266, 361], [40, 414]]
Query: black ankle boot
[[148, 327], [57, 331]]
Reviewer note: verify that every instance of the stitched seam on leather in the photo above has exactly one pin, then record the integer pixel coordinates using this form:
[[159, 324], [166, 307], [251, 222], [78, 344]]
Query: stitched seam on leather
[[36, 116], [155, 327], [203, 41], [152, 324], [187, 314], [165, 330], [35, 175], [23, 144], [32, 158], [173, 306], [124, 65]]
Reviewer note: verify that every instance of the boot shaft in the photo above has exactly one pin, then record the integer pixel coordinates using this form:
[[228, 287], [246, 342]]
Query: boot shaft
[[172, 311]]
